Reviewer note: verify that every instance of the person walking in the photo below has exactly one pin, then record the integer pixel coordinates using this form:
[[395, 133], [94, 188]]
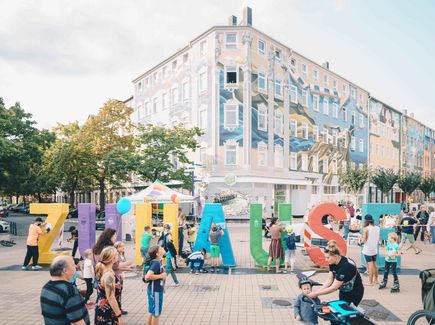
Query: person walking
[[61, 302], [408, 223], [275, 248], [371, 237], [155, 277], [145, 242], [422, 217], [107, 307], [431, 224], [215, 234], [35, 232], [75, 239]]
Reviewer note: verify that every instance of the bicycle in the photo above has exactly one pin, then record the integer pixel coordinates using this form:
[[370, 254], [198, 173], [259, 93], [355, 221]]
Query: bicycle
[[7, 243], [429, 315]]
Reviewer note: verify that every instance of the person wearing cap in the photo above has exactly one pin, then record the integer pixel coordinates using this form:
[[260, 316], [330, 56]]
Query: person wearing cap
[[370, 241], [35, 232]]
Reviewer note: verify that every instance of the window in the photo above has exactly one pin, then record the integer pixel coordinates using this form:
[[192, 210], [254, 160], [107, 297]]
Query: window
[[335, 110], [278, 87], [352, 118], [203, 48], [304, 162], [139, 87], [262, 81], [352, 143], [147, 108], [326, 80], [304, 68], [231, 40], [353, 92], [344, 166], [155, 77], [203, 118], [325, 166], [231, 118], [231, 152], [316, 75], [261, 46], [361, 120], [174, 96], [185, 58], [293, 128], [164, 73], [262, 154], [278, 156], [304, 128], [334, 137], [155, 104], [278, 54], [305, 98], [174, 65], [293, 161], [165, 101], [185, 90], [344, 89], [344, 114], [278, 122], [325, 136], [315, 133], [262, 117], [231, 76], [326, 106], [335, 85], [315, 163], [202, 81], [361, 145], [316, 103], [293, 64], [293, 94]]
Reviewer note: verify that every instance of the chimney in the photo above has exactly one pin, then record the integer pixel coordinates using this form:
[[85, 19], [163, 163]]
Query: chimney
[[247, 16], [326, 65], [232, 20], [412, 115], [405, 112]]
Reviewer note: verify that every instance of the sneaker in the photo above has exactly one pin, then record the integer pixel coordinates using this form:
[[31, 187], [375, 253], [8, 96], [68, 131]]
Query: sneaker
[[176, 284], [191, 271], [196, 273], [217, 270], [36, 267], [285, 271], [24, 267]]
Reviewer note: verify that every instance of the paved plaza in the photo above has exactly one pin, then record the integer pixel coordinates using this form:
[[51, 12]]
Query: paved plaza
[[246, 296]]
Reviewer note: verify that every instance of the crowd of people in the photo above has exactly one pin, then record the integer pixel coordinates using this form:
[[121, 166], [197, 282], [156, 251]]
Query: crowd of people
[[102, 267]]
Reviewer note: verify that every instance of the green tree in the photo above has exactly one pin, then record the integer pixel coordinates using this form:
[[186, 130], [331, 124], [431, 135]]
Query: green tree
[[409, 182], [354, 179], [427, 186], [384, 181], [109, 138], [162, 153]]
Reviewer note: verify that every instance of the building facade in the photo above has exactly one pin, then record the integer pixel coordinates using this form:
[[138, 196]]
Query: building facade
[[277, 126]]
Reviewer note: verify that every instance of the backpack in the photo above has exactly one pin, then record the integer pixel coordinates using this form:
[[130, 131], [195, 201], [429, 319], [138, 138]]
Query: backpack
[[163, 241], [290, 242], [146, 267]]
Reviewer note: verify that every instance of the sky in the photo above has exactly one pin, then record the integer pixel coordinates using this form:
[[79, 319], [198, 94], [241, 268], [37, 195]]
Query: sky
[[63, 59]]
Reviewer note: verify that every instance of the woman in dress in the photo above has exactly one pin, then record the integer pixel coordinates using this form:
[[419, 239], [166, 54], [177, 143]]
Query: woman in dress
[[275, 248], [107, 308]]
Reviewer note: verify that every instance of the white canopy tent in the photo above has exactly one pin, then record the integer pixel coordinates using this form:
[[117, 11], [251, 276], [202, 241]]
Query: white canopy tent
[[158, 192]]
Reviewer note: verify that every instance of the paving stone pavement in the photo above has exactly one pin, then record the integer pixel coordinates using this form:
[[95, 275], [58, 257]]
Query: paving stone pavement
[[239, 298]]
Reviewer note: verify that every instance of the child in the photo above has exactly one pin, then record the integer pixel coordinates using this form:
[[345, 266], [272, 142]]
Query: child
[[77, 273], [122, 266], [393, 251], [214, 235], [88, 276], [289, 249], [170, 264], [145, 242], [196, 259], [303, 310], [191, 235]]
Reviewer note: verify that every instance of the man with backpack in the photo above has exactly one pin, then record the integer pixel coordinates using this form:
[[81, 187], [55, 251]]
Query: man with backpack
[[289, 249], [422, 217]]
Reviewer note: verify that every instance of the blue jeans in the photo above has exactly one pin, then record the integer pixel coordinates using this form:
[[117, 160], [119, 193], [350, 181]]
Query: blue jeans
[[432, 233], [346, 229], [198, 263]]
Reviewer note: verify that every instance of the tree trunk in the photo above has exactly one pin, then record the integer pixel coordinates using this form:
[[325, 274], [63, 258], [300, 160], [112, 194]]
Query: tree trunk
[[71, 197], [102, 194], [382, 197], [39, 197]]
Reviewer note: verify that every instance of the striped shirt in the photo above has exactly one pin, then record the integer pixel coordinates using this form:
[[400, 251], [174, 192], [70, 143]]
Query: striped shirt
[[196, 256], [61, 304]]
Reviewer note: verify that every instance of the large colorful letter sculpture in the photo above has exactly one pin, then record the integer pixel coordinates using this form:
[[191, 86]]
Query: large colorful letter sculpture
[[56, 215], [259, 255], [113, 220], [213, 212], [86, 226], [315, 223], [144, 218], [376, 210]]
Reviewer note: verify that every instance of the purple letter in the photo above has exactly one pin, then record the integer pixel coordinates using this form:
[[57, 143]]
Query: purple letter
[[113, 220], [86, 226]]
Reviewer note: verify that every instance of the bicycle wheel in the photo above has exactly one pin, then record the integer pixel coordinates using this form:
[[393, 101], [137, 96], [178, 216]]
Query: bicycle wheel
[[422, 317]]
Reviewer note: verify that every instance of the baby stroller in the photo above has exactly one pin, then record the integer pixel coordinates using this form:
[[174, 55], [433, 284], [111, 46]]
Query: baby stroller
[[427, 278]]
